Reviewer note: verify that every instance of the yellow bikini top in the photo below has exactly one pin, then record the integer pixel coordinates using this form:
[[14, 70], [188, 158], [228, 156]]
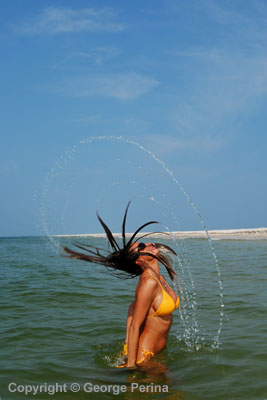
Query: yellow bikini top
[[167, 305]]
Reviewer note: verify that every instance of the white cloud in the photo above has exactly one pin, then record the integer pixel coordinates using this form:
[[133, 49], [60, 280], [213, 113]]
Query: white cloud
[[54, 20], [225, 14], [120, 86], [224, 84], [227, 74], [80, 60], [102, 54], [166, 144]]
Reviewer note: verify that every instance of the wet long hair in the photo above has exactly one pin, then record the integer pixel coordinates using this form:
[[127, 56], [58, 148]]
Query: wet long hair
[[121, 261]]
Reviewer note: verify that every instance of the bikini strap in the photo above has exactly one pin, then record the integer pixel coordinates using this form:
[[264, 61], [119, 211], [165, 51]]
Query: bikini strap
[[158, 280], [155, 312]]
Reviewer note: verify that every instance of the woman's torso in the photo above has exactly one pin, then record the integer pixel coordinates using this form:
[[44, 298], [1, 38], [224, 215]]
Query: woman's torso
[[154, 332]]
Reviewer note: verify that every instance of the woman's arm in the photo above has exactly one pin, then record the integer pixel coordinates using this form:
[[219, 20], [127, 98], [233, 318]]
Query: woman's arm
[[129, 320], [144, 299]]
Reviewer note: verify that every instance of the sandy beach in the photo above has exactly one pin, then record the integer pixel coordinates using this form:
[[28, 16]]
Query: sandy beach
[[238, 234]]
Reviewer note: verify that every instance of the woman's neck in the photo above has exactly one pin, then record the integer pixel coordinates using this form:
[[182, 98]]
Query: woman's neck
[[153, 265]]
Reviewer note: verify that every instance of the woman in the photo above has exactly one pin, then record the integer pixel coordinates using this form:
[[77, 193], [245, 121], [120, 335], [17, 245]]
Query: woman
[[149, 316]]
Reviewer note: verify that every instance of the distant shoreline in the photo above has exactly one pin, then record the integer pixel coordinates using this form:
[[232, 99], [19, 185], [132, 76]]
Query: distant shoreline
[[247, 234]]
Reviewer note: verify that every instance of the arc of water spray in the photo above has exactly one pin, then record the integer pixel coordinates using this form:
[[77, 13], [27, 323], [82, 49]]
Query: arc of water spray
[[69, 155], [170, 173]]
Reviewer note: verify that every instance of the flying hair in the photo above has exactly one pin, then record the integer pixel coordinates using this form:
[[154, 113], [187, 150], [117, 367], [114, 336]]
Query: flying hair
[[121, 261]]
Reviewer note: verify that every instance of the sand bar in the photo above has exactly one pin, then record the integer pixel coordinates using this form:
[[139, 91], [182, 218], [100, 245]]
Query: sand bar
[[238, 234]]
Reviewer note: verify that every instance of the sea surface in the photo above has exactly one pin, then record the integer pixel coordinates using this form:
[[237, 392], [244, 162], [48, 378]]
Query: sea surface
[[62, 322]]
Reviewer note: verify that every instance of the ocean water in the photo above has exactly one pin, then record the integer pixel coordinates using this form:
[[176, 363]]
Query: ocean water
[[63, 323]]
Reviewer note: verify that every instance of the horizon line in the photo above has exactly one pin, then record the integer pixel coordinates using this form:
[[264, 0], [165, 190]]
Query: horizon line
[[179, 234], [194, 233]]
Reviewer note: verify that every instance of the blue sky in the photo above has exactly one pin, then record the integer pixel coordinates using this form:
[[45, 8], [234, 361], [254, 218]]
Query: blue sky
[[187, 80]]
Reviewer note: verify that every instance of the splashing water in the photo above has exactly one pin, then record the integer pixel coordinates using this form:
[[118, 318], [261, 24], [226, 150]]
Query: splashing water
[[184, 284]]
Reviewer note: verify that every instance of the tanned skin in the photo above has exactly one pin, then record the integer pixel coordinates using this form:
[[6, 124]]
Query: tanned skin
[[141, 332]]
